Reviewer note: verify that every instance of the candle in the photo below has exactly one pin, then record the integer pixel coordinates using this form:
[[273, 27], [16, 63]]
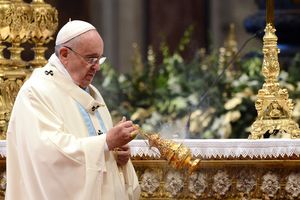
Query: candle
[[270, 12]]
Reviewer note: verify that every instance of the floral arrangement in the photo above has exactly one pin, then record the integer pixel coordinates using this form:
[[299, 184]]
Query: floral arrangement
[[194, 98]]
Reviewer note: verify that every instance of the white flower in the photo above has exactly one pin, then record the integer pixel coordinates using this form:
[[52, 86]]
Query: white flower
[[298, 86], [270, 184], [174, 182], [225, 130], [179, 103], [149, 181], [247, 92], [232, 103], [253, 83], [232, 116], [244, 79], [193, 99], [197, 183], [296, 112], [174, 85], [200, 119], [107, 81], [122, 78], [293, 184], [283, 76], [217, 123], [286, 85], [221, 127], [140, 113]]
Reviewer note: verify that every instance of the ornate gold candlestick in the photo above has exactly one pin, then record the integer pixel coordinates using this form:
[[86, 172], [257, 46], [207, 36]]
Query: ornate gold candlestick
[[14, 29], [4, 29], [274, 108], [44, 25], [19, 17], [177, 155], [19, 23]]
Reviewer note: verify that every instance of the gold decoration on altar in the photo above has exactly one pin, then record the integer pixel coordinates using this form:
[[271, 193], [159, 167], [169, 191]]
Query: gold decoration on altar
[[220, 179], [274, 108], [177, 155], [21, 22]]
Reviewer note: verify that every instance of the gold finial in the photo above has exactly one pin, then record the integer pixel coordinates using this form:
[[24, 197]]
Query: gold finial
[[274, 108]]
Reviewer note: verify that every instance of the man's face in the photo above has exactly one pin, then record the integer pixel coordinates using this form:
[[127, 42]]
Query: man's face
[[82, 58]]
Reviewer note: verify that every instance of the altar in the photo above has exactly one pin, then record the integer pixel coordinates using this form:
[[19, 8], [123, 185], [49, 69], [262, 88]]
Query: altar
[[229, 169]]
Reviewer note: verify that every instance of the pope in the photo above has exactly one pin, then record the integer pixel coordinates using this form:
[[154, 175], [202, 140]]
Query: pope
[[61, 143]]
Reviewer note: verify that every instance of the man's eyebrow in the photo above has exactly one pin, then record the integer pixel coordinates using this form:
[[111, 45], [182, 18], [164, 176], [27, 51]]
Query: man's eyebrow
[[93, 55]]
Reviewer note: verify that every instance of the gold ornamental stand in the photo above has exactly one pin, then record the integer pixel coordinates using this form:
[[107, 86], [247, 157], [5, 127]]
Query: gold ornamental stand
[[274, 108], [21, 22]]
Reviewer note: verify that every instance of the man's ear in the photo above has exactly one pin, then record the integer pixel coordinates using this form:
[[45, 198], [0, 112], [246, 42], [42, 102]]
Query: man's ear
[[63, 54]]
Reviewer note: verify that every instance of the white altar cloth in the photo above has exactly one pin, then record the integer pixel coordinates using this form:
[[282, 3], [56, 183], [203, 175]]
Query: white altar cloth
[[214, 148], [225, 148]]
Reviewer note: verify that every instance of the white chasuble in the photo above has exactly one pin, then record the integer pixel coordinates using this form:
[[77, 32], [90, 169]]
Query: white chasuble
[[49, 153]]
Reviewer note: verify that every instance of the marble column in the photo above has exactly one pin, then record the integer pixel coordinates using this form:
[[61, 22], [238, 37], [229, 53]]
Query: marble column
[[121, 23]]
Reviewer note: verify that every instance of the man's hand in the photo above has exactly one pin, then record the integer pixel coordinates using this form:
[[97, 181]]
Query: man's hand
[[122, 155], [120, 134]]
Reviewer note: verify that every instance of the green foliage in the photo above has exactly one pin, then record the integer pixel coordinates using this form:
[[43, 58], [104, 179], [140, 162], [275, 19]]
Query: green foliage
[[154, 95]]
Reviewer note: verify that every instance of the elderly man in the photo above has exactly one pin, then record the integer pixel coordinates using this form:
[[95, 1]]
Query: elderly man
[[61, 141]]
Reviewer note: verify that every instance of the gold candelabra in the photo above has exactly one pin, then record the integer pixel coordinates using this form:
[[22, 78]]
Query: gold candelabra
[[20, 23], [274, 108], [177, 155], [228, 51]]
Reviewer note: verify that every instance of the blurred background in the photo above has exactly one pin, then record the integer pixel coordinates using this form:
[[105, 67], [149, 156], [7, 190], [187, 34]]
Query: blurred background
[[171, 66], [151, 22]]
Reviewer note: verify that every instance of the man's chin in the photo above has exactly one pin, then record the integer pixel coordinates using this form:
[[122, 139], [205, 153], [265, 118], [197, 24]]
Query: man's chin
[[85, 84], [89, 78]]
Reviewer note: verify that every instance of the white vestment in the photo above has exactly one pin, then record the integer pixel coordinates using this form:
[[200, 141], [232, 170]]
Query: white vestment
[[49, 153]]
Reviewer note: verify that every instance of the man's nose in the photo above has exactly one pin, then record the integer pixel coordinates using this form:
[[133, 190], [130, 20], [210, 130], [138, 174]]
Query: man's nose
[[96, 67]]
